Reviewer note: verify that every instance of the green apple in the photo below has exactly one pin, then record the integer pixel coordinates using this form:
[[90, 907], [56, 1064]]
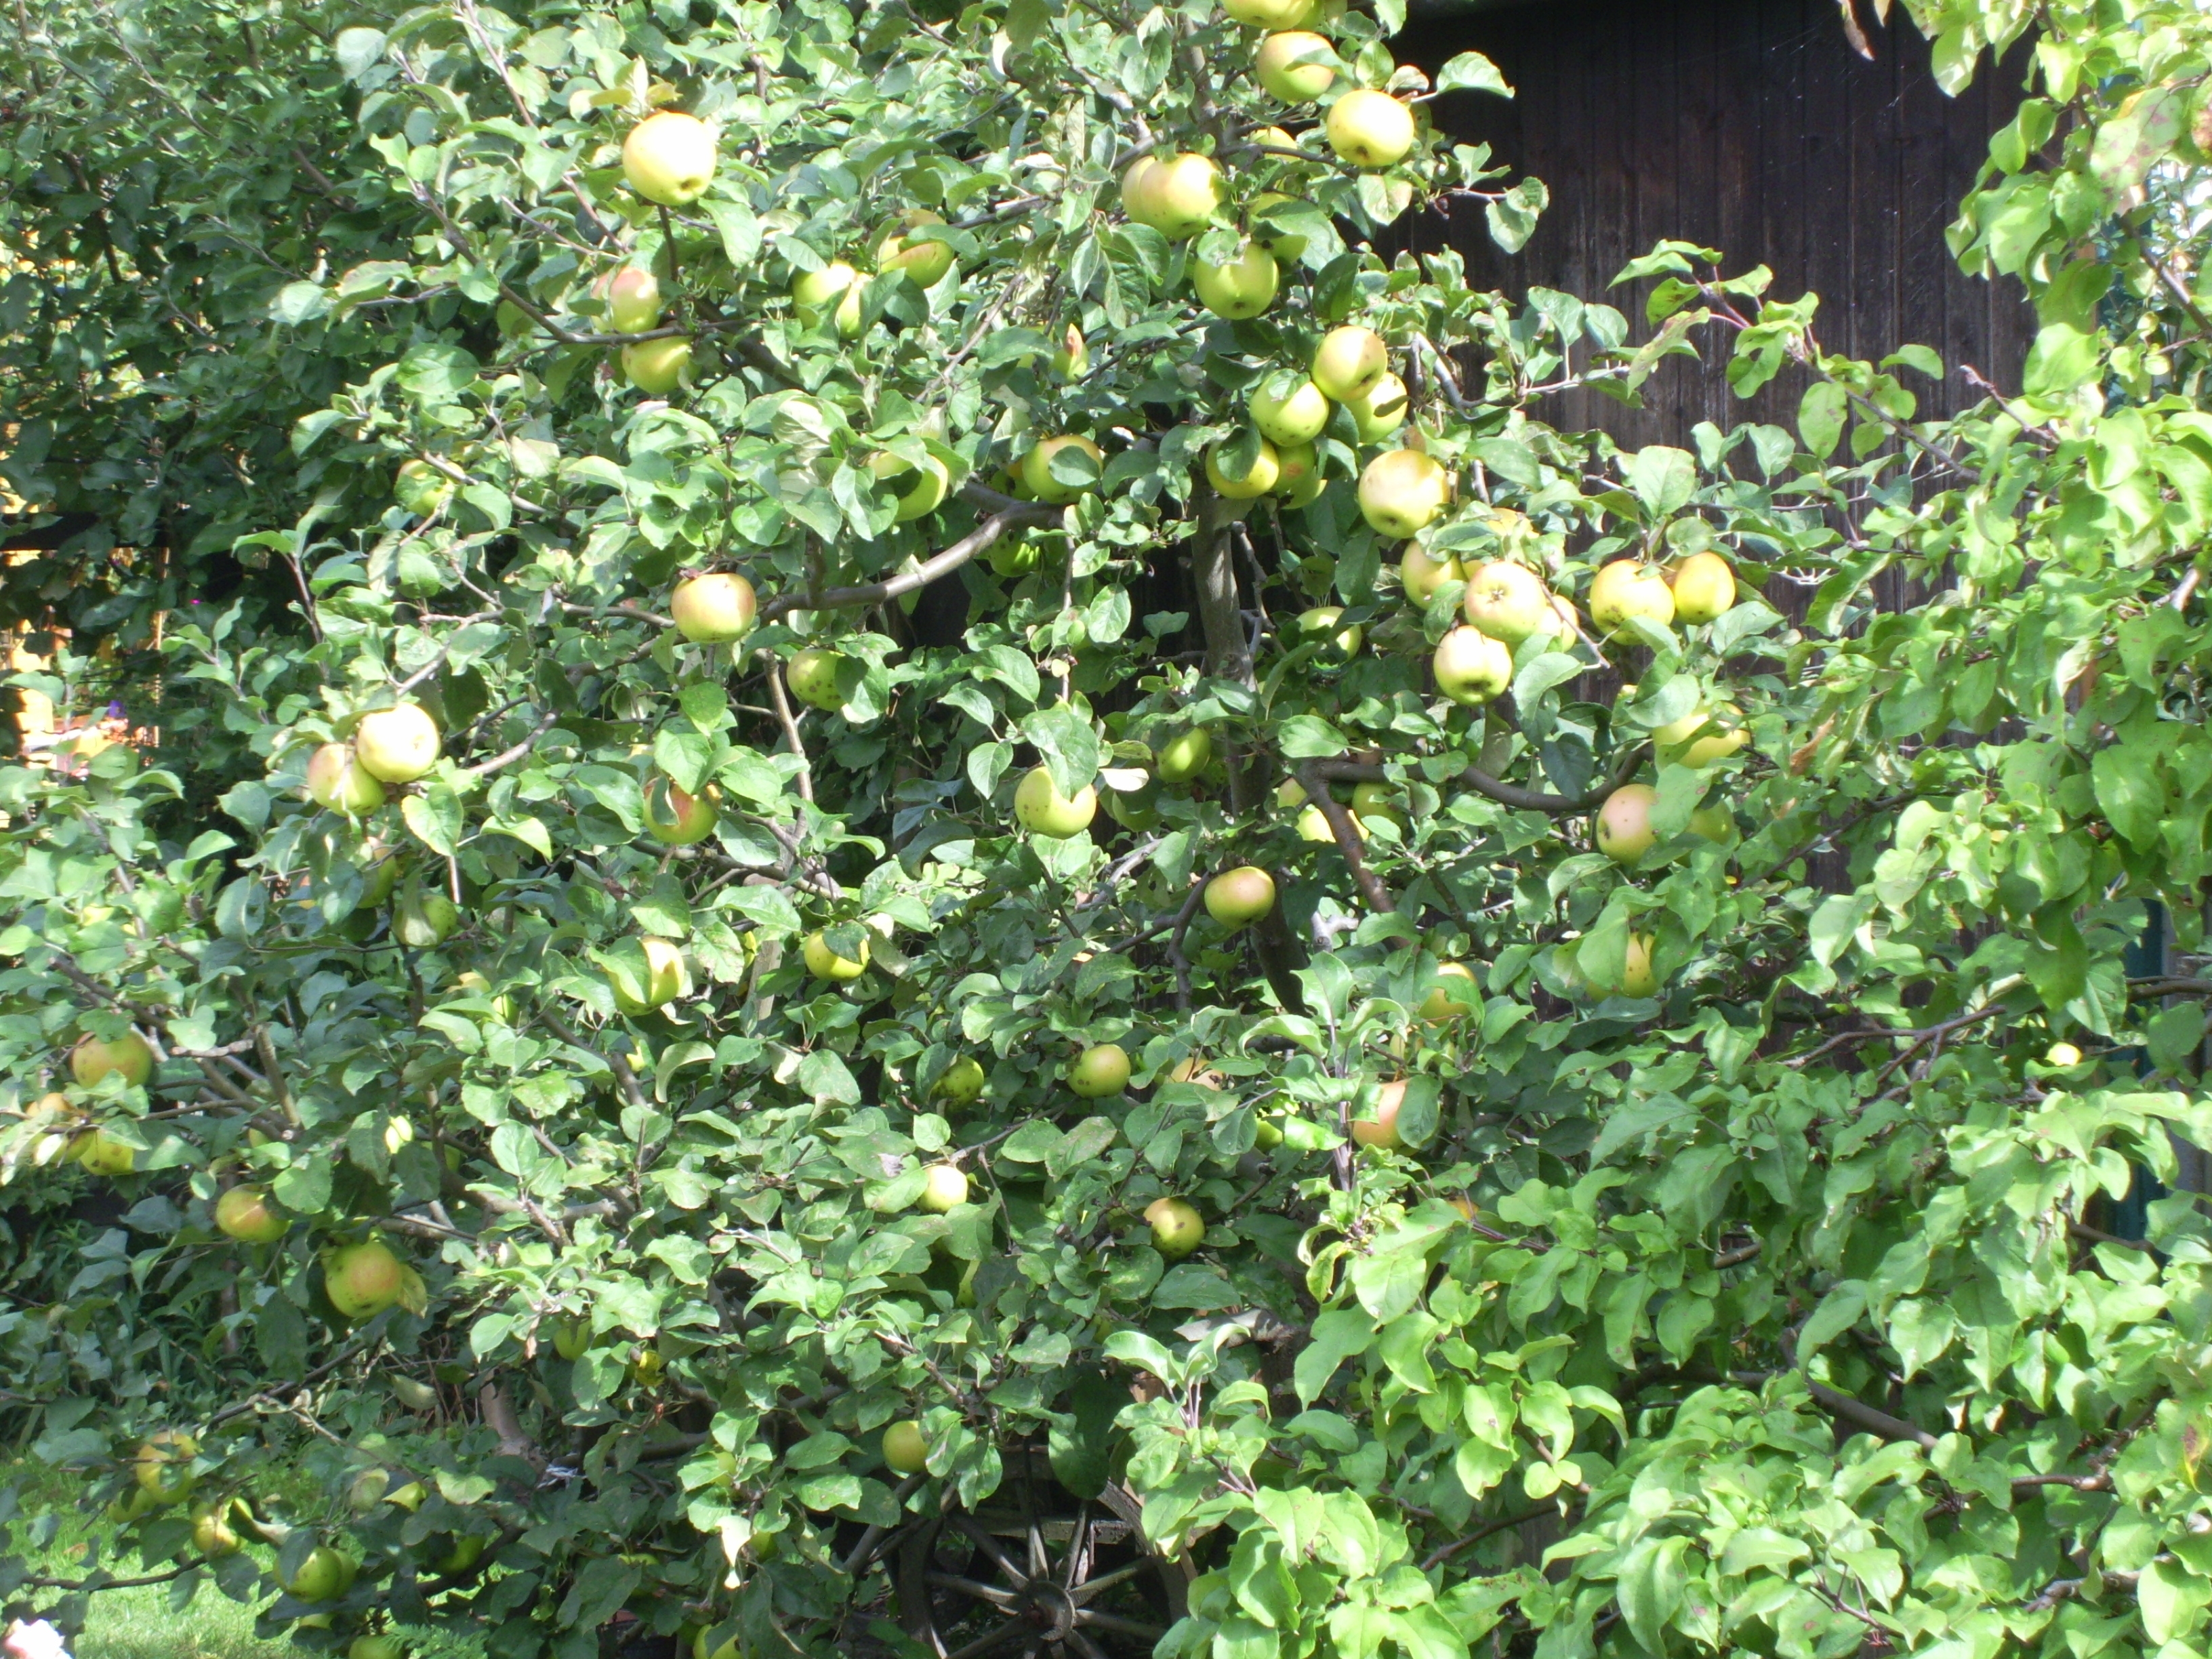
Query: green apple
[[1269, 14], [128, 1057], [943, 1186], [1073, 361], [1452, 995], [674, 819], [323, 1576], [1382, 1129], [923, 489], [835, 290], [423, 917], [1370, 801], [1296, 416], [1099, 1070], [362, 1279], [1703, 588], [1255, 481], [1471, 667], [1421, 575], [1313, 825], [714, 608], [247, 1214], [811, 673], [1349, 361], [656, 368], [669, 158], [1298, 477], [823, 963], [101, 1154], [962, 1084], [213, 1535], [906, 1451], [1342, 644], [1626, 589], [1286, 245], [664, 978], [337, 781], [1295, 65], [1370, 129], [1702, 736], [1137, 809], [164, 1466], [572, 1338], [1624, 833], [1183, 756], [1714, 823], [1508, 602], [1639, 976], [376, 1647], [1037, 469], [1402, 491], [1380, 411], [2062, 1055], [1041, 809], [464, 1554], [921, 260], [632, 298], [1176, 195], [1239, 897], [396, 745], [1177, 1227], [421, 488], [1243, 288]]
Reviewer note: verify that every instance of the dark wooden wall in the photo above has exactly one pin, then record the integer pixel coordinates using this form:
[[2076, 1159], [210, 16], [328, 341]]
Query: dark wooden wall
[[1747, 126]]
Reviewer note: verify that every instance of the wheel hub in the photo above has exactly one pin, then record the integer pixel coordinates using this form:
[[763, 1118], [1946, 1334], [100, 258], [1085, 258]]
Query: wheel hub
[[1050, 1610]]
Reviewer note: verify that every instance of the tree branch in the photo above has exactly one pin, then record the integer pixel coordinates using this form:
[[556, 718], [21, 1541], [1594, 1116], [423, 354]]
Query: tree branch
[[1347, 838], [1507, 794], [941, 564]]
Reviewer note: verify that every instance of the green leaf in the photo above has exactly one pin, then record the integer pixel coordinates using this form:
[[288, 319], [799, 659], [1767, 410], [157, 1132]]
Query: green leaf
[[1470, 71], [1338, 1335], [1821, 413]]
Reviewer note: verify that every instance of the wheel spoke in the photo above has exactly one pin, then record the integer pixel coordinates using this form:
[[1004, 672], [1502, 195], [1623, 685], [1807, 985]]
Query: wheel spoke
[[1098, 1620], [1004, 1633], [989, 1546], [1083, 1593], [982, 1592], [1078, 1547], [1083, 1645]]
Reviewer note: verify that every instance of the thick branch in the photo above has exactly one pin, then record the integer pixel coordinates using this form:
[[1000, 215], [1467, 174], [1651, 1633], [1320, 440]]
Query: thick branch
[[1347, 838], [977, 541], [1506, 794]]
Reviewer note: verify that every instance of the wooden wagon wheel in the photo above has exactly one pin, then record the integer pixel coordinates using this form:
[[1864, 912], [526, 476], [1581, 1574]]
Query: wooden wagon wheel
[[1051, 1577]]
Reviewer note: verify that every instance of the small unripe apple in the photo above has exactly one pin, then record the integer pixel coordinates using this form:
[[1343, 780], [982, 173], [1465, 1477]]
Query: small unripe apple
[[1382, 1129], [1099, 1070], [944, 1185], [1295, 417], [1341, 644], [823, 963], [1470, 668], [1626, 589], [1037, 469], [656, 368], [1073, 361], [1507, 601], [164, 1466], [338, 782], [1703, 588], [1370, 129], [1624, 833], [1243, 288], [1421, 575], [1295, 65], [962, 1082], [128, 1056], [1370, 801], [396, 745], [921, 261], [1269, 14], [714, 608], [1257, 480], [421, 488], [811, 674], [631, 296], [1349, 361], [325, 1576], [1177, 1227], [1402, 491], [247, 1214], [1183, 756], [669, 158], [1270, 138], [362, 1279], [1041, 809], [1714, 823], [674, 819], [1239, 897], [572, 1338], [906, 1451], [1453, 995], [1134, 809], [922, 489], [1381, 409]]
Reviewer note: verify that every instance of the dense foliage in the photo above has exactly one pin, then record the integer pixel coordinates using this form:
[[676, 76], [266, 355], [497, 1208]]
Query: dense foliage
[[659, 1161]]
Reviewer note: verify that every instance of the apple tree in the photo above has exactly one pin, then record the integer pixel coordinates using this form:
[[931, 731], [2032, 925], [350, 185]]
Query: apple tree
[[941, 889]]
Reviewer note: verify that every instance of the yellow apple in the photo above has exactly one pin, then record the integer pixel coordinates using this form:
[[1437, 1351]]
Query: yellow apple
[[1239, 897], [962, 1084], [669, 158], [1453, 995], [213, 1535], [943, 1187], [1099, 1070], [1183, 756], [1176, 195], [1370, 129], [823, 963], [1037, 469], [674, 819], [1626, 589], [664, 978], [1313, 825], [905, 1448], [1382, 1129], [128, 1056], [1422, 575], [835, 288], [656, 368], [1320, 623], [1177, 1227], [362, 1279], [1298, 477], [247, 1214], [421, 488], [1507, 601], [1380, 411], [1041, 809], [1073, 361], [1471, 667], [811, 673], [164, 1466], [1243, 288], [2061, 1054], [1349, 361], [101, 1154], [396, 745], [1639, 977], [1297, 417], [1269, 14], [1402, 491], [1702, 736], [1703, 587], [337, 781], [921, 261], [325, 1576], [1285, 244], [1624, 833], [1370, 801], [1255, 481], [631, 296], [714, 608], [1295, 65], [925, 488]]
